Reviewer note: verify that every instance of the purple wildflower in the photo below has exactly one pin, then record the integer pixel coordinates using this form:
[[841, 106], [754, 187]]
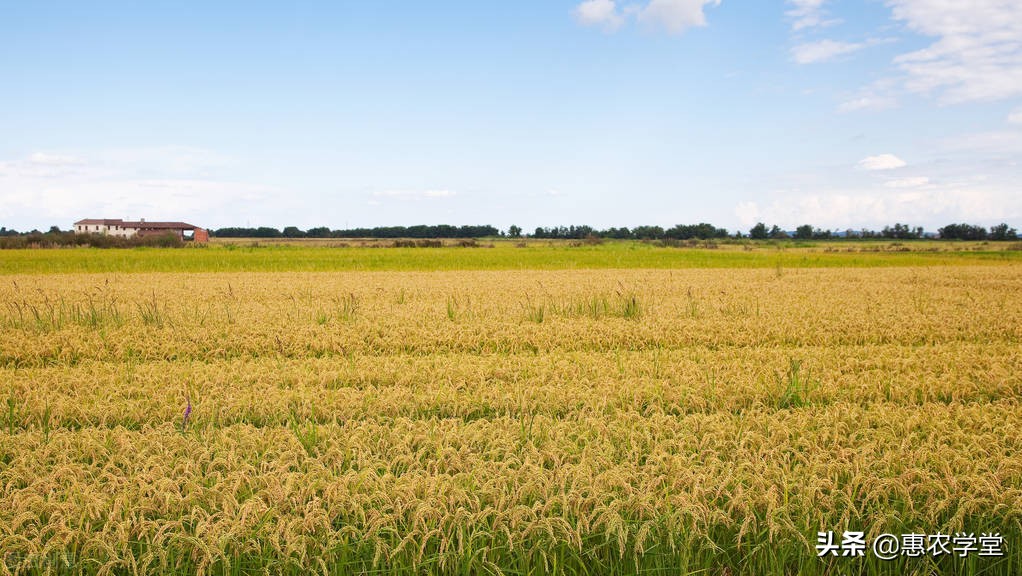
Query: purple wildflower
[[188, 413]]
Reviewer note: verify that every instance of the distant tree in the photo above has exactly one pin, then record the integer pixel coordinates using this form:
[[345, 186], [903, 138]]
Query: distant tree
[[54, 230], [293, 232], [261, 232], [648, 233], [1003, 232], [776, 233], [565, 232], [962, 232], [267, 232], [320, 232], [581, 232], [804, 232], [514, 231], [703, 231], [902, 232], [759, 232]]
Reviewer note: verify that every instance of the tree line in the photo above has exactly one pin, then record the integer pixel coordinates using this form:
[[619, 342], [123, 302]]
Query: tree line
[[761, 231], [702, 231], [422, 231], [898, 232]]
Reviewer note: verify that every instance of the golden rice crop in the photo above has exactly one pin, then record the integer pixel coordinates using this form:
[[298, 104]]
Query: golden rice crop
[[614, 421]]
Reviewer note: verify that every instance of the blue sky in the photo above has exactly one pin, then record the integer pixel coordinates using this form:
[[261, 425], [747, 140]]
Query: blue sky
[[343, 114]]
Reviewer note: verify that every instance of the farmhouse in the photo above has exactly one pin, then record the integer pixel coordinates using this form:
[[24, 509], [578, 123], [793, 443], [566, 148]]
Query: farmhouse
[[129, 229]]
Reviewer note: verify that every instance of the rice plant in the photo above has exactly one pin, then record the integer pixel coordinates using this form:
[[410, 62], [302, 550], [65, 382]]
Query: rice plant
[[633, 421]]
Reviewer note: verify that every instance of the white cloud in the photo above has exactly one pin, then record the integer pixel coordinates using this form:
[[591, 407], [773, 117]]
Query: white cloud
[[1015, 117], [826, 50], [823, 50], [967, 178], [415, 193], [912, 182], [599, 13], [48, 188], [808, 14], [675, 16], [929, 207], [748, 213], [977, 55], [881, 162]]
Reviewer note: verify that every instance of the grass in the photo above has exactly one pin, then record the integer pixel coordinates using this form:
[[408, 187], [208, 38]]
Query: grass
[[797, 384], [504, 255]]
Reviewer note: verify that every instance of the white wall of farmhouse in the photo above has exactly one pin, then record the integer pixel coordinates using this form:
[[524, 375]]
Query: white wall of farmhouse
[[109, 230]]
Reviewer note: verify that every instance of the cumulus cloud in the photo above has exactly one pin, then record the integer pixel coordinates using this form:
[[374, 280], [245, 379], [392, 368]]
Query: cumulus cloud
[[881, 162], [1015, 117], [823, 51], [675, 16], [599, 13], [977, 55]]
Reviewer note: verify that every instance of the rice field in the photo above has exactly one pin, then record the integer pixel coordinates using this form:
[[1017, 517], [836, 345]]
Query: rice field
[[311, 255], [650, 420]]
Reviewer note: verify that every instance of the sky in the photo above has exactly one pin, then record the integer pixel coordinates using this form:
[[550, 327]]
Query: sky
[[839, 114]]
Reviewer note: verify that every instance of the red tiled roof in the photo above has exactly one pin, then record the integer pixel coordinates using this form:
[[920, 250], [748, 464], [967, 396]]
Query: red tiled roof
[[140, 225], [159, 225], [105, 222]]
